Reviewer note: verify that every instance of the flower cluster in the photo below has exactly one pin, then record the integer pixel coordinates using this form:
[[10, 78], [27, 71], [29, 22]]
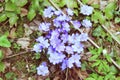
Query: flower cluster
[[86, 10], [61, 43]]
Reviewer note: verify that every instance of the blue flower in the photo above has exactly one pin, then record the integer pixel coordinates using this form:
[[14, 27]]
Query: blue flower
[[76, 24], [58, 13], [66, 26], [86, 23], [69, 12], [49, 12], [44, 26], [64, 64], [71, 39], [83, 37], [64, 37], [40, 39], [86, 10], [37, 48], [56, 58], [62, 18], [57, 23], [69, 49], [42, 70], [60, 47], [44, 42], [77, 47], [74, 59]]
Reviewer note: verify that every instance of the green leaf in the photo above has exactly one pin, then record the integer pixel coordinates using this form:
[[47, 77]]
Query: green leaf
[[35, 4], [1, 78], [71, 4], [13, 1], [31, 14], [21, 3], [100, 78], [1, 55], [94, 57], [10, 76], [85, 1], [99, 32], [60, 3], [4, 41], [13, 20], [96, 18], [6, 0], [37, 56], [105, 66], [100, 67], [9, 6], [117, 20], [2, 67], [3, 17], [118, 78], [113, 69], [108, 57], [90, 78], [99, 50], [96, 63], [109, 10]]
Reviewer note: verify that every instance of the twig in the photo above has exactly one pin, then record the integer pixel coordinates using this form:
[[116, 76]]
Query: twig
[[79, 74], [66, 78], [81, 31], [111, 34], [21, 53], [80, 2], [115, 63]]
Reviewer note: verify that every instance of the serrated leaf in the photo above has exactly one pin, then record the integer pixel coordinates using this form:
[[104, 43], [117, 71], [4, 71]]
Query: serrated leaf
[[106, 66], [93, 57], [4, 41], [108, 57], [100, 50], [113, 69], [2, 67], [13, 20], [100, 67], [31, 14], [96, 63], [3, 17]]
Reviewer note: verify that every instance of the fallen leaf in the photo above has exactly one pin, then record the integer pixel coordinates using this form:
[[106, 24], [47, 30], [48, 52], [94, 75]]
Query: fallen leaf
[[6, 51], [12, 33], [28, 31], [24, 12], [103, 4], [24, 42]]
